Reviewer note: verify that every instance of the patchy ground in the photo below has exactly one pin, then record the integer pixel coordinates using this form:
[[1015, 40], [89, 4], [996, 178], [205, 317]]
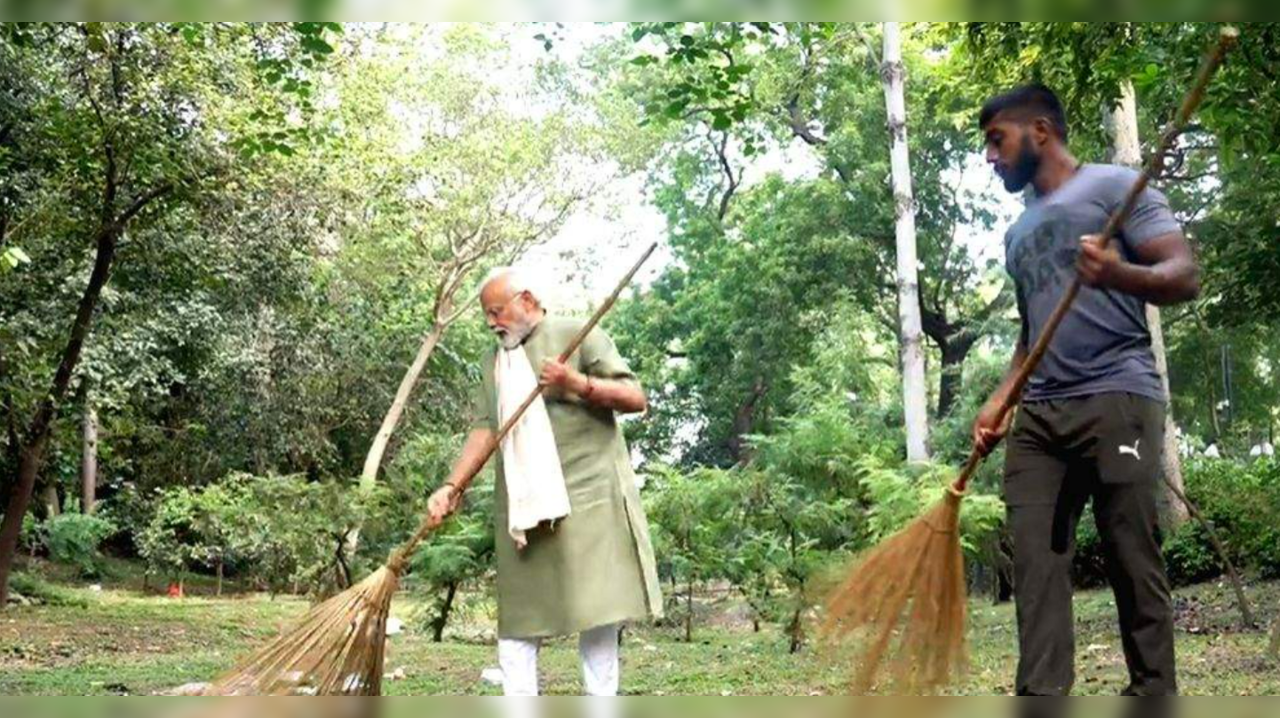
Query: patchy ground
[[123, 640]]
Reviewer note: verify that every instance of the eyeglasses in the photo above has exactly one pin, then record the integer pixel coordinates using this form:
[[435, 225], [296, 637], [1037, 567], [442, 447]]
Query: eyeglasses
[[494, 312]]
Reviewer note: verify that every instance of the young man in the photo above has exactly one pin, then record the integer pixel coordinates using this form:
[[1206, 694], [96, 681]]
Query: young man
[[1092, 416], [573, 548]]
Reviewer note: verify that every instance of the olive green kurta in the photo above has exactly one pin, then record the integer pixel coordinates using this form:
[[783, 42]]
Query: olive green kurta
[[596, 566]]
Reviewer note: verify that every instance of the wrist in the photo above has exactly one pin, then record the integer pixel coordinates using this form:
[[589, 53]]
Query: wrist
[[1129, 278], [586, 387]]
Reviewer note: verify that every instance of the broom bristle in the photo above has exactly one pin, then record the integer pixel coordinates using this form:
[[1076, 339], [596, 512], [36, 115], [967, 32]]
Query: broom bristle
[[904, 603], [335, 650]]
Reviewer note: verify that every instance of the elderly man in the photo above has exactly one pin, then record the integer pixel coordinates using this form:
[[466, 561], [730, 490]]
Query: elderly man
[[573, 547]]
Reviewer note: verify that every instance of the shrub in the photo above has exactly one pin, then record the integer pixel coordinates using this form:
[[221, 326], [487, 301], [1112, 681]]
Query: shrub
[[1089, 570], [1243, 502], [1190, 556], [75, 539]]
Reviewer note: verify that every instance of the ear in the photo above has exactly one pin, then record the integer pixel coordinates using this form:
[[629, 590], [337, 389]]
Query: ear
[[1042, 132]]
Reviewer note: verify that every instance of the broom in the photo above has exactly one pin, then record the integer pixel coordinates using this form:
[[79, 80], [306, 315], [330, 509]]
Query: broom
[[912, 584], [338, 647]]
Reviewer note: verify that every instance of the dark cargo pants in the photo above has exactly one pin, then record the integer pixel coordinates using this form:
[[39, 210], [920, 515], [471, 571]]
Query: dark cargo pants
[[1060, 454]]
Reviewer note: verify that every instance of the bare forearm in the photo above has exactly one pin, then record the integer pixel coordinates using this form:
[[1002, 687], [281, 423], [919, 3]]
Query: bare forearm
[[620, 396], [475, 452], [1168, 282]]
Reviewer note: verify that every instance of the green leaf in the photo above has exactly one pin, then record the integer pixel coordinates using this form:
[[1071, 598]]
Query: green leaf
[[721, 122], [317, 46]]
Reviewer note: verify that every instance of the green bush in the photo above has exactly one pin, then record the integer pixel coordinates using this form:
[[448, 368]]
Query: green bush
[[1190, 556], [1243, 502], [166, 542], [75, 539], [1089, 569], [279, 532]]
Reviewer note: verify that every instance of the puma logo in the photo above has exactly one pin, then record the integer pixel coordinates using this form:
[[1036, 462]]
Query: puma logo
[[1131, 450]]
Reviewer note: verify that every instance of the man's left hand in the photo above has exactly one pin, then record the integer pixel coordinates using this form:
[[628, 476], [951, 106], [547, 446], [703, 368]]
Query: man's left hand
[[1098, 265], [561, 376]]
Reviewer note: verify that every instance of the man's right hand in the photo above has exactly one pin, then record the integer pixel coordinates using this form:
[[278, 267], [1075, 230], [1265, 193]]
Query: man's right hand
[[442, 504], [989, 428]]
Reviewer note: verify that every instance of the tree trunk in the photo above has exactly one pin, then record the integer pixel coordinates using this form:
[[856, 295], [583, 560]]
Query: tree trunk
[[89, 456], [13, 445], [1210, 380], [220, 574], [949, 385], [446, 609], [373, 462], [914, 398], [688, 615], [1122, 122], [1176, 512], [795, 630], [37, 434], [744, 422], [52, 504]]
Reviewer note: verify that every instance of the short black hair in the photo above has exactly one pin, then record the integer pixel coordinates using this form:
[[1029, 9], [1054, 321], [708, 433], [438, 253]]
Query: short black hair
[[1027, 102]]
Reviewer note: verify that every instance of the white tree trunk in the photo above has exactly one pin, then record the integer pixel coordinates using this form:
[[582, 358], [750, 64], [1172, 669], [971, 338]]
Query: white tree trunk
[[1122, 122], [51, 502], [89, 457], [912, 338], [372, 462]]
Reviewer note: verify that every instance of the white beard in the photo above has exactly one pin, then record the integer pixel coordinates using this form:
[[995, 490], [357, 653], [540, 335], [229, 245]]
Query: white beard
[[515, 336]]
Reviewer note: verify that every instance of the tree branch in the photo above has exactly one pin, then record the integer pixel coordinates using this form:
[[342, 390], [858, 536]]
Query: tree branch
[[799, 124], [141, 203], [722, 150]]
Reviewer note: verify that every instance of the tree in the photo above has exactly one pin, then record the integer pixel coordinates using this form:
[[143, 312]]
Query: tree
[[1122, 120], [116, 140], [489, 183], [913, 389], [769, 87]]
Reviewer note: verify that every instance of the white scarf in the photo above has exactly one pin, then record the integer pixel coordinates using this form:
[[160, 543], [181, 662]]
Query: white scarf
[[531, 465]]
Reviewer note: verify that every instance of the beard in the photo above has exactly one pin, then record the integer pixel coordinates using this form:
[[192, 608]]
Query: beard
[[514, 336], [1024, 167]]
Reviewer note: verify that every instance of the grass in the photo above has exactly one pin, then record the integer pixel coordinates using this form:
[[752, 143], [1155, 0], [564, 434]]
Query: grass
[[123, 640]]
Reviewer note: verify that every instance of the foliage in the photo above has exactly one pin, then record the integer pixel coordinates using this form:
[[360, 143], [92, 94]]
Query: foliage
[[1189, 555], [1243, 502], [238, 525], [75, 539], [37, 589]]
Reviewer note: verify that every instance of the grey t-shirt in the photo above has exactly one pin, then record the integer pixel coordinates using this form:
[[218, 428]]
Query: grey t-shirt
[[1103, 344]]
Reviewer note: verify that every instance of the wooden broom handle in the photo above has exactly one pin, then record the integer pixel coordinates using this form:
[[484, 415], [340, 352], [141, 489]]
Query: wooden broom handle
[[1226, 38], [400, 558]]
